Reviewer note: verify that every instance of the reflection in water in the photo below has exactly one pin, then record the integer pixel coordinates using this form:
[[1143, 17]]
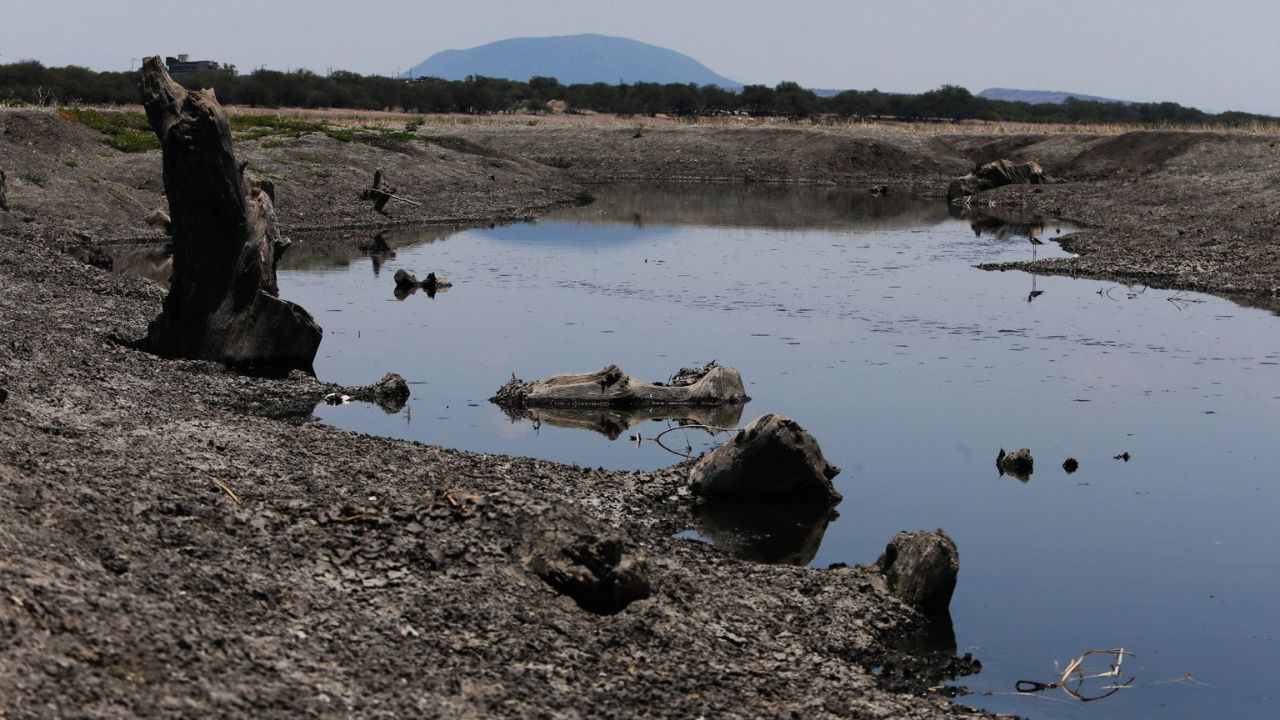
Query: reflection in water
[[765, 532], [612, 422], [1002, 226], [327, 250], [758, 206], [1034, 292]]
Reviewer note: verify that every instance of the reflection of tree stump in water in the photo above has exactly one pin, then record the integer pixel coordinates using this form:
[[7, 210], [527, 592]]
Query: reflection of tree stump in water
[[223, 300]]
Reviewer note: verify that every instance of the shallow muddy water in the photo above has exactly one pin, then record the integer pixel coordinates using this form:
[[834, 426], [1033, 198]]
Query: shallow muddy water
[[863, 319]]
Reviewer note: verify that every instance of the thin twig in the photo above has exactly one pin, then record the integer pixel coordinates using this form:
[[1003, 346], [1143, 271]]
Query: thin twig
[[228, 491], [695, 426]]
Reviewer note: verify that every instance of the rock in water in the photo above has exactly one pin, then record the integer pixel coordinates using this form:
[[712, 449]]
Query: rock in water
[[921, 569], [391, 392], [772, 458], [404, 279], [223, 299], [1018, 463]]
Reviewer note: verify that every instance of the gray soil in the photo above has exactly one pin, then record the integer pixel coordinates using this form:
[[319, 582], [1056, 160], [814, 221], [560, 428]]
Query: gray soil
[[174, 542]]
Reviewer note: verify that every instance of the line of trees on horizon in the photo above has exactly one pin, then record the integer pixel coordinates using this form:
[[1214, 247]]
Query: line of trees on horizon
[[30, 81]]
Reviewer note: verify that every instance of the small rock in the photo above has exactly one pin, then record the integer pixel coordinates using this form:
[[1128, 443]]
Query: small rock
[[772, 458], [4, 395], [921, 569], [406, 280], [1018, 463], [1070, 465], [391, 392]]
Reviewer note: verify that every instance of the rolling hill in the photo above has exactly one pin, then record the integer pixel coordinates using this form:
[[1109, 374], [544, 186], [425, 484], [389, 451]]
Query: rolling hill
[[1037, 97], [571, 59]]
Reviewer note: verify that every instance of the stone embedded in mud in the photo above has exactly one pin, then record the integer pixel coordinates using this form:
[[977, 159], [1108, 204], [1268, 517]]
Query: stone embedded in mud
[[921, 569], [997, 174], [4, 395], [709, 385], [595, 572], [223, 302], [1018, 463], [771, 458], [391, 392]]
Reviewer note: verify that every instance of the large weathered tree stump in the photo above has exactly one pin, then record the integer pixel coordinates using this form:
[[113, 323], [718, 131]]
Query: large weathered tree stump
[[223, 300]]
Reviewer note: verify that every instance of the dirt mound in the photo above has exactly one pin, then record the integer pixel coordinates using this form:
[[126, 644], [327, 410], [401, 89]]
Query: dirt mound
[[1132, 153], [742, 153], [63, 175]]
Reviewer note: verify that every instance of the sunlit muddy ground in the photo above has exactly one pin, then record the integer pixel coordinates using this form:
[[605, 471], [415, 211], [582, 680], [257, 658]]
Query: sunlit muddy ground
[[864, 319]]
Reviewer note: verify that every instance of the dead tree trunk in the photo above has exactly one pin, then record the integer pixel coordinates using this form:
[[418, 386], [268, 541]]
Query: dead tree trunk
[[223, 301]]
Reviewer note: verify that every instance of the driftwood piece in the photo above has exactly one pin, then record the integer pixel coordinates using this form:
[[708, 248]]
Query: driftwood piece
[[223, 300], [382, 194], [610, 387]]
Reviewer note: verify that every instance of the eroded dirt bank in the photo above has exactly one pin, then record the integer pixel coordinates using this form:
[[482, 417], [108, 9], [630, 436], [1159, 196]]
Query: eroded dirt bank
[[168, 546]]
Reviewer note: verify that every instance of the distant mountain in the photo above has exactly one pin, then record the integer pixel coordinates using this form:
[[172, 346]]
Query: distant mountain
[[1041, 97], [571, 59]]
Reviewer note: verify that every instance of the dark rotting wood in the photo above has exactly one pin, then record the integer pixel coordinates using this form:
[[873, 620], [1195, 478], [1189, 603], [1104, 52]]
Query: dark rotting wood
[[381, 195], [223, 301]]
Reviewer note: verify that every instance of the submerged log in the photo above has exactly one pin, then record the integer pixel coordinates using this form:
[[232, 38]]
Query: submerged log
[[610, 387], [223, 300]]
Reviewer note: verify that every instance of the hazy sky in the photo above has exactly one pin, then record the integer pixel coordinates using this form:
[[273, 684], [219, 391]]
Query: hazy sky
[[1217, 55]]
